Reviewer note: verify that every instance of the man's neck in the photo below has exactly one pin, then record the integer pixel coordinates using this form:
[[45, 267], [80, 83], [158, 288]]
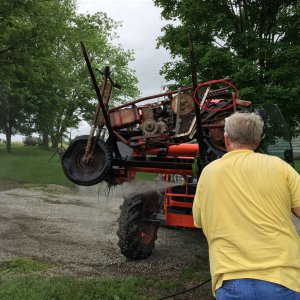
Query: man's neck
[[238, 148]]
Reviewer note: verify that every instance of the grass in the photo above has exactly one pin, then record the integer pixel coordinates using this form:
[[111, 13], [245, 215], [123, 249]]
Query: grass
[[25, 283], [297, 165], [23, 265], [198, 272], [146, 176], [40, 287], [31, 165]]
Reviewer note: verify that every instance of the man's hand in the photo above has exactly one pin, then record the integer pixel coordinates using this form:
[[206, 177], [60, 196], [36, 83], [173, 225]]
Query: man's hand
[[296, 211]]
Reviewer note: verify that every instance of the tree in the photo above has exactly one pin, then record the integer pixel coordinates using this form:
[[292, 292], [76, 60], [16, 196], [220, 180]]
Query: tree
[[45, 86], [97, 32], [256, 43], [15, 37]]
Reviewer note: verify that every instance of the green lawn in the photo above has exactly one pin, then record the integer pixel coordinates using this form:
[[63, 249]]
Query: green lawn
[[297, 165], [31, 165], [28, 279], [37, 287]]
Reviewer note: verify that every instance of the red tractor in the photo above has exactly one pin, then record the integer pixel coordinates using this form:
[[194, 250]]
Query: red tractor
[[173, 134]]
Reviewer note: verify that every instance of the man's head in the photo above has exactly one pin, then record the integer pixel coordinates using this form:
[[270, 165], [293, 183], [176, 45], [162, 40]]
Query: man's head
[[243, 131]]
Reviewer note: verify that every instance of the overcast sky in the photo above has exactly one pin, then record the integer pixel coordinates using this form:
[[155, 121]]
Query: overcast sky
[[141, 26]]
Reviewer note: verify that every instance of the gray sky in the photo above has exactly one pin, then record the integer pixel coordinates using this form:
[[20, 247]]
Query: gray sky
[[141, 26]]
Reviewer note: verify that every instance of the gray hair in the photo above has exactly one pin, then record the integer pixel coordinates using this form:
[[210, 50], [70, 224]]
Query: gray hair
[[244, 129]]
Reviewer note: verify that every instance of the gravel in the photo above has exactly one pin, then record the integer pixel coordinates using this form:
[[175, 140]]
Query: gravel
[[76, 230]]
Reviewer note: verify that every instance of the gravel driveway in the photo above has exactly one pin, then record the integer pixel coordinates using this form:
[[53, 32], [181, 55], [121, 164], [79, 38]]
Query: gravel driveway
[[77, 230]]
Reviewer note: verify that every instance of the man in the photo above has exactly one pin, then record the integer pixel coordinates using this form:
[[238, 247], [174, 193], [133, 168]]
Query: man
[[243, 203]]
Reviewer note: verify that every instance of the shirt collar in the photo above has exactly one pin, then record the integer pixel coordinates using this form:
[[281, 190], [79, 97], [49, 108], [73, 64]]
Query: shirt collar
[[239, 151]]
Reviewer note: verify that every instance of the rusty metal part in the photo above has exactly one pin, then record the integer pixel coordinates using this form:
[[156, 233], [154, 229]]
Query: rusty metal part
[[198, 129], [147, 113], [182, 104], [124, 117], [177, 105], [149, 127], [89, 144], [167, 94], [100, 100], [162, 126], [216, 130]]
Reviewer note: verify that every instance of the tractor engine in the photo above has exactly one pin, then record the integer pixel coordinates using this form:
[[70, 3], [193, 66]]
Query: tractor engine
[[156, 118]]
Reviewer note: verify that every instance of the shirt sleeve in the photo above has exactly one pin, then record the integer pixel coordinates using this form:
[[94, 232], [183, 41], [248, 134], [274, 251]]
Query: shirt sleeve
[[196, 206], [294, 185]]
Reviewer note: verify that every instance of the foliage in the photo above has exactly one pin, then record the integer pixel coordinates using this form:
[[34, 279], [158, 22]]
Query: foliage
[[44, 84], [30, 141], [256, 43]]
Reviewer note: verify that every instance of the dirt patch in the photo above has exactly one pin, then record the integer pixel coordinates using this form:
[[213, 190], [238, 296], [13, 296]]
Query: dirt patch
[[76, 230], [7, 184]]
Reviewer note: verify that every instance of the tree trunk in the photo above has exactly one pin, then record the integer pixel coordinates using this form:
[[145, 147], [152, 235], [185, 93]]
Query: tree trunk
[[8, 130], [8, 139], [55, 142], [57, 138], [45, 142]]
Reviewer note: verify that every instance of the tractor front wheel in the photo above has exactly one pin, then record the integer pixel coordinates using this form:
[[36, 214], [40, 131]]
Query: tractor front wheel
[[137, 232], [81, 172]]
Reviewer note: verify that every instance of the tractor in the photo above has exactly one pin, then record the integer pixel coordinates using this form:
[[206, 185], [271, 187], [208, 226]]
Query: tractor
[[172, 134]]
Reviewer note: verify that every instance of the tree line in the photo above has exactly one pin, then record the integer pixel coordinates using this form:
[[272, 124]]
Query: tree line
[[44, 83], [254, 42]]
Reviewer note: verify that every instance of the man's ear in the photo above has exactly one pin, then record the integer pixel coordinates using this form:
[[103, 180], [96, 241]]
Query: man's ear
[[225, 137], [227, 142]]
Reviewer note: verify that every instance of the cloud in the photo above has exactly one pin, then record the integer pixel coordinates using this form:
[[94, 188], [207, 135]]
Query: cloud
[[141, 26]]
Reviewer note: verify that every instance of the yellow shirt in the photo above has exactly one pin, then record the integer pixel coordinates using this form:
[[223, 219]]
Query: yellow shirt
[[243, 204]]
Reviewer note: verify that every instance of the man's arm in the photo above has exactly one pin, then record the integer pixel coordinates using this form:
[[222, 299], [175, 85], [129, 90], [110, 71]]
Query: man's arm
[[294, 187], [296, 211], [196, 206]]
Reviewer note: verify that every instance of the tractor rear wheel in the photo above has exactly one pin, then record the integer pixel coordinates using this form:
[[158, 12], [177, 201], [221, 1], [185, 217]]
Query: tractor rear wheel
[[137, 235], [87, 173]]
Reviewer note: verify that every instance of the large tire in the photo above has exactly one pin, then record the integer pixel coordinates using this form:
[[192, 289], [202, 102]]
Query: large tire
[[137, 236], [82, 173]]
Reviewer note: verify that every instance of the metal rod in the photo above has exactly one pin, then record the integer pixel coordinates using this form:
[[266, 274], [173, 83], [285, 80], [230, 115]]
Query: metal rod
[[98, 93], [199, 132], [183, 89], [154, 163]]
